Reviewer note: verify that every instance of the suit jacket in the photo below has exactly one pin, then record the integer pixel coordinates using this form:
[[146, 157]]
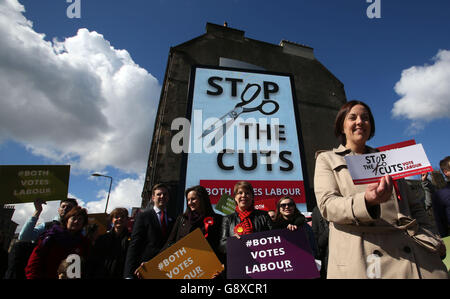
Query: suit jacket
[[146, 240]]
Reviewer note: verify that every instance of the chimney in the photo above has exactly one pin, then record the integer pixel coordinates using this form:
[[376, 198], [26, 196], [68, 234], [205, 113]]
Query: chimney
[[297, 49], [224, 31]]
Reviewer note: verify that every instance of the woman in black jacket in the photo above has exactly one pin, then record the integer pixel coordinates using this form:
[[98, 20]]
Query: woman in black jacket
[[245, 220], [288, 216], [107, 258], [199, 214]]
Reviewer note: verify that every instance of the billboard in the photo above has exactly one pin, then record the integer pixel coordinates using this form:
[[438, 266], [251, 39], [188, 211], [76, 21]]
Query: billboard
[[242, 125]]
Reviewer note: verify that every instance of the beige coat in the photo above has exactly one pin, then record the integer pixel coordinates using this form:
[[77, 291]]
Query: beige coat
[[378, 243]]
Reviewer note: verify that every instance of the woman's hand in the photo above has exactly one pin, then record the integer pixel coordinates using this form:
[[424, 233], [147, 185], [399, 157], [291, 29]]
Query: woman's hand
[[38, 202], [138, 273], [380, 192], [215, 275], [292, 227]]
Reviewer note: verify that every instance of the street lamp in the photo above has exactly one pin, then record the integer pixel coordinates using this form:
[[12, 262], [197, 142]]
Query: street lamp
[[110, 183]]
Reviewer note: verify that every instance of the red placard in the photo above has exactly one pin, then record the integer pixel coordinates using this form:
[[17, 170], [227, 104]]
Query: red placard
[[396, 145], [264, 190], [267, 204]]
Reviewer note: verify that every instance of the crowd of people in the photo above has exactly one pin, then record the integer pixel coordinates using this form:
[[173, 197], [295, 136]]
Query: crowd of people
[[352, 225], [42, 250]]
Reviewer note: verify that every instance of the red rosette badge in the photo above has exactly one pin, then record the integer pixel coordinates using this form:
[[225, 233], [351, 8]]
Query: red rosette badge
[[239, 229], [208, 221]]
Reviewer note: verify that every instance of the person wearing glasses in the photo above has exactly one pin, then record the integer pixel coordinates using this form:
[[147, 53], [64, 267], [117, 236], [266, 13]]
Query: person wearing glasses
[[288, 216]]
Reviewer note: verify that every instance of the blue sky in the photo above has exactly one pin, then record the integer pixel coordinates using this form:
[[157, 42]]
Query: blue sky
[[87, 91]]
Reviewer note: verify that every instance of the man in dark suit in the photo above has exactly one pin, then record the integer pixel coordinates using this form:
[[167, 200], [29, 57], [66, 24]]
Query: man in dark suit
[[150, 232]]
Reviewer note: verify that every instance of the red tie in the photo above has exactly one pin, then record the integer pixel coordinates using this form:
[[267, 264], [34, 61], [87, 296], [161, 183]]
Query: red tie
[[163, 223]]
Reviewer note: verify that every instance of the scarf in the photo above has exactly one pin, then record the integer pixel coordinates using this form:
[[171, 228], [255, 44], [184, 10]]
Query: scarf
[[246, 226]]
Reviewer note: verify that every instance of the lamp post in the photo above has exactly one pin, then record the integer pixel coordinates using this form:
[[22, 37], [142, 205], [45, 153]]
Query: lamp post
[[110, 184]]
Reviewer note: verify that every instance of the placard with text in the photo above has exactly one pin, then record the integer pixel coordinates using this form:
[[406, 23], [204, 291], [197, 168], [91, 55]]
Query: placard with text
[[398, 163], [25, 183], [190, 258], [275, 254]]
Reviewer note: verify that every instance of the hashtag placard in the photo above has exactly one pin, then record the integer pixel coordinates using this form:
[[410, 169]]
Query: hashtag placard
[[190, 258], [25, 183], [274, 254]]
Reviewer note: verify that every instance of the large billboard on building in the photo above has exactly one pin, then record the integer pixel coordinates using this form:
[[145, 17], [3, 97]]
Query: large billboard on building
[[242, 125]]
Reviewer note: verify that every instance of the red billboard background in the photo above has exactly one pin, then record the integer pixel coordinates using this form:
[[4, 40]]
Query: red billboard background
[[266, 192]]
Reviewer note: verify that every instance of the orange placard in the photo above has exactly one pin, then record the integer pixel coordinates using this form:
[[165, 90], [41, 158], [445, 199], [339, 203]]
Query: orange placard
[[189, 258]]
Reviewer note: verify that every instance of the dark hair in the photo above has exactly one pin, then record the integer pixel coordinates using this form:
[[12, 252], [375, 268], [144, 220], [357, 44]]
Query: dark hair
[[75, 211], [159, 186], [205, 202], [69, 199], [118, 211], [278, 215], [444, 164], [340, 117]]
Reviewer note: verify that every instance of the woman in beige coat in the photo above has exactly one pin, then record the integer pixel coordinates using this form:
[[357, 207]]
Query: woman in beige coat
[[372, 233]]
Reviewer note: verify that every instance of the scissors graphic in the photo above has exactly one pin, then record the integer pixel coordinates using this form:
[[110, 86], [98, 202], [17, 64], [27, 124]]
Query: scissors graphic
[[238, 110], [379, 164]]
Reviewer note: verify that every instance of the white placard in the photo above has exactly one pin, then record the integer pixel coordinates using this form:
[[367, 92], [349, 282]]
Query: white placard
[[398, 163]]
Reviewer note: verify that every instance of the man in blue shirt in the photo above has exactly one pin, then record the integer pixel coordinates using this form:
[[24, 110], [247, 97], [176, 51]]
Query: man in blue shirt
[[31, 232], [441, 201]]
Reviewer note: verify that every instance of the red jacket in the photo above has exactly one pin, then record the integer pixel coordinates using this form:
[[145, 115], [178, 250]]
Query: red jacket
[[54, 246]]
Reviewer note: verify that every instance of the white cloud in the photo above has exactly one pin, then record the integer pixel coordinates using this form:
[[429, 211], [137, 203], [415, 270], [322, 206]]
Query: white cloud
[[77, 101], [425, 92], [126, 193], [23, 212]]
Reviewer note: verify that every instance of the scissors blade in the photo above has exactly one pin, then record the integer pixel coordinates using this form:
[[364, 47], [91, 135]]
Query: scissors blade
[[232, 114], [220, 133]]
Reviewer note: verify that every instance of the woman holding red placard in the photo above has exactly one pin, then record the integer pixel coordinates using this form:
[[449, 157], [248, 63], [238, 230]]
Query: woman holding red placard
[[372, 233]]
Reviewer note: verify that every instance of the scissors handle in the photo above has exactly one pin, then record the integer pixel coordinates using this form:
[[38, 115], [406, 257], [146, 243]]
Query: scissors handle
[[268, 103], [261, 109], [254, 96]]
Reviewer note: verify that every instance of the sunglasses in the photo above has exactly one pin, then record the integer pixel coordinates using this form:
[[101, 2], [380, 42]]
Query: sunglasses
[[286, 205]]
